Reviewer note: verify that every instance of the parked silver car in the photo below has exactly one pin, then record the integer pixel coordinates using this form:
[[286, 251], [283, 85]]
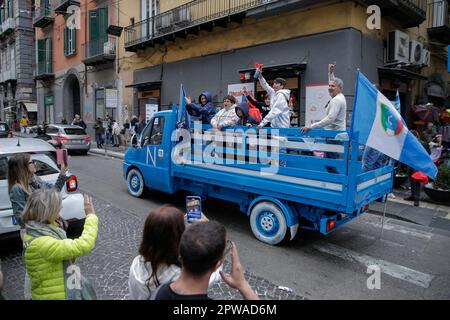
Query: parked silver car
[[72, 138], [44, 155]]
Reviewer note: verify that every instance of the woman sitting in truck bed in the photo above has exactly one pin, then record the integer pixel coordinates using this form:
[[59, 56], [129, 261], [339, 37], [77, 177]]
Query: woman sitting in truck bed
[[227, 116]]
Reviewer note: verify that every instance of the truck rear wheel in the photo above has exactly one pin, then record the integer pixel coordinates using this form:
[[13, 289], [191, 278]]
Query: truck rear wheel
[[269, 224], [135, 183]]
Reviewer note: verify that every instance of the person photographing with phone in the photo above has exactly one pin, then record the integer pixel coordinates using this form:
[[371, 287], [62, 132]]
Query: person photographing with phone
[[203, 248], [22, 181], [47, 250]]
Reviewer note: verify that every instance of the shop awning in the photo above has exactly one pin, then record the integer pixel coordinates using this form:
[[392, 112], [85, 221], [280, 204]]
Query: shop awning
[[147, 85], [283, 70], [31, 106], [400, 73]]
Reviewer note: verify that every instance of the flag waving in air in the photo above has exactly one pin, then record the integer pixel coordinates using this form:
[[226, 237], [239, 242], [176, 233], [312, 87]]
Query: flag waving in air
[[183, 116], [377, 124]]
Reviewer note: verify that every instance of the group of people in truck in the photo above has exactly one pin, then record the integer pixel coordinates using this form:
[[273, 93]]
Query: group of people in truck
[[273, 112]]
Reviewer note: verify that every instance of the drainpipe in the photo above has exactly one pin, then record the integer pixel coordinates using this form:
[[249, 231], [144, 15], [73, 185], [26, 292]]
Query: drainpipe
[[117, 76], [85, 42]]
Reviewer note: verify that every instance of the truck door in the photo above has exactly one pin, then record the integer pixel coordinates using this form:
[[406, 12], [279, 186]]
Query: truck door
[[156, 162]]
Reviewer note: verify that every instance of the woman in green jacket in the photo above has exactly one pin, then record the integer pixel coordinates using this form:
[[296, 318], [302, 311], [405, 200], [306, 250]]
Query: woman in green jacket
[[48, 252]]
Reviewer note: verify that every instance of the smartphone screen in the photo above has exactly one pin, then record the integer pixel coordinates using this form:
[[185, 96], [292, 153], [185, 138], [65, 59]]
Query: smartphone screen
[[61, 157], [193, 207]]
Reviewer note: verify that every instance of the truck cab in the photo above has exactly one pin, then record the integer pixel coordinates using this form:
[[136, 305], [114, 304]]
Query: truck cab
[[148, 162]]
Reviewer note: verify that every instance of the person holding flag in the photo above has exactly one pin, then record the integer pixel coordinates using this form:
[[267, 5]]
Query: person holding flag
[[205, 110], [377, 124]]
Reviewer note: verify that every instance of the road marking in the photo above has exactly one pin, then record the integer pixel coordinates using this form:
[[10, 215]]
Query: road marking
[[394, 270], [391, 243], [401, 229]]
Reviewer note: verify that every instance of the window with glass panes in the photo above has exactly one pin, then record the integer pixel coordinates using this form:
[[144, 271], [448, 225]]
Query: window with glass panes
[[70, 41]]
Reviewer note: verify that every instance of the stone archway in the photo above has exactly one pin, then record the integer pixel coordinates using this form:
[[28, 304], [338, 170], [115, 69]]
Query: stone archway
[[71, 97]]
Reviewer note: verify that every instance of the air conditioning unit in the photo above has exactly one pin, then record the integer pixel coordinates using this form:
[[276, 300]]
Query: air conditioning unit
[[416, 53], [426, 55], [109, 48], [398, 47]]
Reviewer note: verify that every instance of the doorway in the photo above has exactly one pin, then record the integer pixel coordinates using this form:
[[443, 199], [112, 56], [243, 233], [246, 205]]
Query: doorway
[[71, 98]]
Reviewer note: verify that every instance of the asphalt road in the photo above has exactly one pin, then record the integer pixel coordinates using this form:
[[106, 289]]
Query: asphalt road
[[413, 259]]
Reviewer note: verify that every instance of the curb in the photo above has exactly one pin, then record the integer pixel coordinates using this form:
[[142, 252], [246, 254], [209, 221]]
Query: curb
[[107, 153]]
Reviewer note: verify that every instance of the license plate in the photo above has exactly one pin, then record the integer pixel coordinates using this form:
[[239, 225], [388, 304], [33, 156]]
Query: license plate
[[77, 141]]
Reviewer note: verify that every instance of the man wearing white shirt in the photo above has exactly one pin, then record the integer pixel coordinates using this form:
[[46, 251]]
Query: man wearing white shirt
[[336, 108], [336, 111]]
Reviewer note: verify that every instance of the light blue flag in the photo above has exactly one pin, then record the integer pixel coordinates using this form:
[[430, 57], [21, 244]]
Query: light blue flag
[[183, 116], [376, 123], [396, 102]]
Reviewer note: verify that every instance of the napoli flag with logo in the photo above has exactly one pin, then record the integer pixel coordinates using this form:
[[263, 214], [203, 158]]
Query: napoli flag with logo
[[377, 124]]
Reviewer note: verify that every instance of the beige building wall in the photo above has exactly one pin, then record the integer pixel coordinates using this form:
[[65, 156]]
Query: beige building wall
[[252, 32]]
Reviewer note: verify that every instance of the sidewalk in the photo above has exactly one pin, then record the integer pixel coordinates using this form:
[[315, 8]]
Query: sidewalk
[[427, 214], [110, 151]]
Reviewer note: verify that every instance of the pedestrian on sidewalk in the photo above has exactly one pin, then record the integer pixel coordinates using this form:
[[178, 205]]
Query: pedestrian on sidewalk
[[24, 123], [77, 121], [115, 133], [99, 133], [203, 248], [134, 121], [416, 183], [49, 255]]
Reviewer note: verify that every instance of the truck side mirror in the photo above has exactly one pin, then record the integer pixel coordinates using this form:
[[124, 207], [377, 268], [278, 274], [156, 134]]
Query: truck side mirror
[[133, 141]]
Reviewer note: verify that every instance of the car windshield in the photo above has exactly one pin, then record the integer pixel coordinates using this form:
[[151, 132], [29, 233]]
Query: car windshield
[[3, 127], [75, 132], [45, 165]]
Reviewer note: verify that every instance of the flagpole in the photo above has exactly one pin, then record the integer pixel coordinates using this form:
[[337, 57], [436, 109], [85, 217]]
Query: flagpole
[[384, 216]]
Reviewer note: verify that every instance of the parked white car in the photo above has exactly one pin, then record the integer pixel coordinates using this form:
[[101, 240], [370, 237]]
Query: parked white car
[[44, 155]]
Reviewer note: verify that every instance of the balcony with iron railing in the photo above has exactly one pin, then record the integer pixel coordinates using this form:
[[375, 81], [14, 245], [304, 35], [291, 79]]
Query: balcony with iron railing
[[439, 21], [43, 17], [409, 13], [99, 51], [44, 70], [62, 5], [187, 19]]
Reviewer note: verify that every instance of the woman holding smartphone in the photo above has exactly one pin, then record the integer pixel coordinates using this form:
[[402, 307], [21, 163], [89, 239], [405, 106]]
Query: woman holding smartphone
[[22, 181]]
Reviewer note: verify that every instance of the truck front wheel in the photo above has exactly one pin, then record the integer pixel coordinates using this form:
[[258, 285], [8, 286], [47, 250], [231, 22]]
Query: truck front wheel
[[135, 183], [268, 223]]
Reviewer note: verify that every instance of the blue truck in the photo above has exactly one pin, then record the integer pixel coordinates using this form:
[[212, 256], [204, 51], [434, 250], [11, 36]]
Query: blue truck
[[280, 178]]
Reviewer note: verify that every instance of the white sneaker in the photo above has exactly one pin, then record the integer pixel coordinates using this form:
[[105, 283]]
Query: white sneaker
[[391, 195]]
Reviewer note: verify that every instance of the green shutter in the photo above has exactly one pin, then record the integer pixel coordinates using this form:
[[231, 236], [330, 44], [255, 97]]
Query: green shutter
[[41, 55], [74, 41], [10, 9], [103, 13], [2, 14], [93, 32], [66, 40], [48, 56]]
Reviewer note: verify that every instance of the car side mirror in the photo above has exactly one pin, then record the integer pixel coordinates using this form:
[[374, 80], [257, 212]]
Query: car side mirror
[[133, 141]]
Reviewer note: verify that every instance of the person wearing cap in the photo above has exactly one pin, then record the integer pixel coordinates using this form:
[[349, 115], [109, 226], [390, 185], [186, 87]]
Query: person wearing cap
[[279, 101]]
